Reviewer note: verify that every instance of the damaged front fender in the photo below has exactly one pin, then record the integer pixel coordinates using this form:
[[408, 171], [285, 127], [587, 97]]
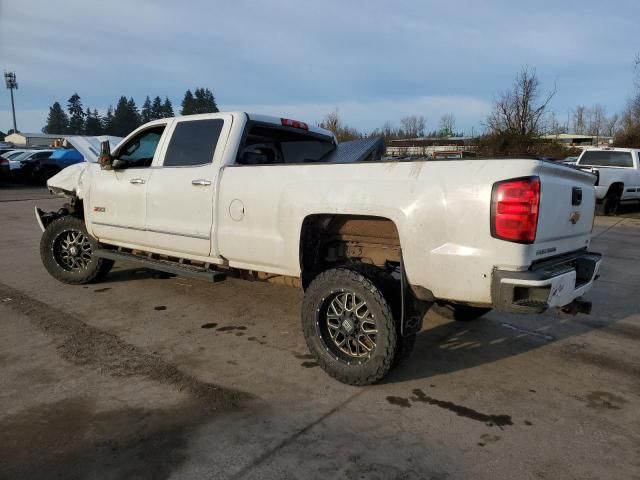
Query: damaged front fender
[[45, 218], [68, 182]]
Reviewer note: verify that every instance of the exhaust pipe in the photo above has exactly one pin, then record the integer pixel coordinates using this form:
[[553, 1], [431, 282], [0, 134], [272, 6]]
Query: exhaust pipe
[[577, 306]]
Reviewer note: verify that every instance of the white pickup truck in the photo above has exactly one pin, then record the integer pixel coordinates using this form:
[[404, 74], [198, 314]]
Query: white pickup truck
[[373, 242], [618, 175]]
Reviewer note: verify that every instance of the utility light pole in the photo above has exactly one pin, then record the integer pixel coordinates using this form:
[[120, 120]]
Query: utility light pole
[[10, 80]]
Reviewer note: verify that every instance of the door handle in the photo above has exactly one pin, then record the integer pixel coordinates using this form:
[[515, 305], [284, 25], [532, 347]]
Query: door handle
[[137, 181], [201, 182]]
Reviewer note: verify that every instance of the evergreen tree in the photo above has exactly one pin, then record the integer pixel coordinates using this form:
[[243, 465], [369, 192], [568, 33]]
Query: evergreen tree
[[188, 104], [146, 113], [125, 118], [134, 114], [201, 101], [93, 123], [204, 101], [107, 122], [57, 120], [156, 109], [76, 115], [167, 108]]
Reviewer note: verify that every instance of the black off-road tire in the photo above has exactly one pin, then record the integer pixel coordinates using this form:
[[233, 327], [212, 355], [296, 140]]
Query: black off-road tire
[[364, 371], [461, 313], [95, 268]]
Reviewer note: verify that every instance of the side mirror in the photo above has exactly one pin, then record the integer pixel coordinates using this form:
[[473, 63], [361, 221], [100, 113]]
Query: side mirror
[[105, 159]]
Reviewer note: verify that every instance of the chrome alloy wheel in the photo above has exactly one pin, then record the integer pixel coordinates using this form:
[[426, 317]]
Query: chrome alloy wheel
[[72, 250], [349, 326]]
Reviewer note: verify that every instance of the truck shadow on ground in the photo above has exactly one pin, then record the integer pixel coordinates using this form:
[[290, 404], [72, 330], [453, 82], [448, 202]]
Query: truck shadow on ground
[[452, 346], [69, 439], [128, 274]]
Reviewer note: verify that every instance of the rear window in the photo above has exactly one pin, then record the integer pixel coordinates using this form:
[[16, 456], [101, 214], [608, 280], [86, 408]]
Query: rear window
[[266, 145], [606, 158], [193, 143]]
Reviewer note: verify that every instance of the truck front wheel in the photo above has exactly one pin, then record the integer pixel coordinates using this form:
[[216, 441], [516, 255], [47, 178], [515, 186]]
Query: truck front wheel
[[66, 250], [349, 327], [611, 202]]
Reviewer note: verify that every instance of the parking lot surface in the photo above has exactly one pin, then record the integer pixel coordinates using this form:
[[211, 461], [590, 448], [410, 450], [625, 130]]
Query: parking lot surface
[[143, 376]]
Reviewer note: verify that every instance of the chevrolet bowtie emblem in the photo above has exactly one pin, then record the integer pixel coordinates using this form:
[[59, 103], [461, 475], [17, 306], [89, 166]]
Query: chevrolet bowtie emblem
[[574, 217]]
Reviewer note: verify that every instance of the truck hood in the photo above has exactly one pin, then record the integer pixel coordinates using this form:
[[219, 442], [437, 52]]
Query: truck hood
[[68, 182], [89, 147]]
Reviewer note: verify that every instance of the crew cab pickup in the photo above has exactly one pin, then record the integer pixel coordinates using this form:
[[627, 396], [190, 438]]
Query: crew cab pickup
[[618, 175], [373, 242]]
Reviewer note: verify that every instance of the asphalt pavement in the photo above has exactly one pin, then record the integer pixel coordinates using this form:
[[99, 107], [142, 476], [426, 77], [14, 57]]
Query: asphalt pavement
[[143, 376]]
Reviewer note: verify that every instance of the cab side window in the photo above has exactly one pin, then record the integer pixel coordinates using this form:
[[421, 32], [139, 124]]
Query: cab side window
[[193, 143], [139, 151]]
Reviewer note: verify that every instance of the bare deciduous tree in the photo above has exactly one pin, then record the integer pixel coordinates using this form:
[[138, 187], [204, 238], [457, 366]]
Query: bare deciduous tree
[[611, 125], [553, 126], [447, 124], [597, 120], [413, 126], [521, 110], [579, 121], [333, 122]]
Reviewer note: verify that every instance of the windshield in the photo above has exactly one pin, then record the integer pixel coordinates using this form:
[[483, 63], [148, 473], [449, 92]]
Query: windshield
[[606, 158]]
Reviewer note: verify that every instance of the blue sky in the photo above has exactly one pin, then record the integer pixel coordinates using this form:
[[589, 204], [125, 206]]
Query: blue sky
[[372, 60]]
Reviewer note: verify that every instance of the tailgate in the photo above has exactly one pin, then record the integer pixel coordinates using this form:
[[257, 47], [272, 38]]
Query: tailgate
[[567, 207]]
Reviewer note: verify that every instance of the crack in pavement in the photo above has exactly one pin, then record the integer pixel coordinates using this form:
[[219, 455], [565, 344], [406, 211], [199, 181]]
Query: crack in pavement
[[293, 437], [608, 228]]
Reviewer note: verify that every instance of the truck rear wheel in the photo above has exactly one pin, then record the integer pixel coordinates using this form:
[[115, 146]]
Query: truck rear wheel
[[459, 312], [349, 327], [66, 250]]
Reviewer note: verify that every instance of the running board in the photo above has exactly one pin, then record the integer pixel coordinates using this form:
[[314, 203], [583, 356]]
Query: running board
[[167, 266]]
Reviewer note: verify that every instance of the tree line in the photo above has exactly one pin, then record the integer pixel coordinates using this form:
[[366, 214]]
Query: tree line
[[411, 126], [125, 117]]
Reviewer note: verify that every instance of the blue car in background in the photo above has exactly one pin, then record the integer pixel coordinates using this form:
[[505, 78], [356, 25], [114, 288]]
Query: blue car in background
[[39, 169], [77, 149]]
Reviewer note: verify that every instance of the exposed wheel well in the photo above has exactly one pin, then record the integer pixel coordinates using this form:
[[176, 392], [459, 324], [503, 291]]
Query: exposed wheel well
[[617, 187], [328, 240], [73, 208]]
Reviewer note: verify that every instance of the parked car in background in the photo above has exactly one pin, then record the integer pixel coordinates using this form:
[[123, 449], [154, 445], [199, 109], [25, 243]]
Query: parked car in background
[[5, 169], [14, 158], [618, 175], [569, 160], [31, 165], [7, 150]]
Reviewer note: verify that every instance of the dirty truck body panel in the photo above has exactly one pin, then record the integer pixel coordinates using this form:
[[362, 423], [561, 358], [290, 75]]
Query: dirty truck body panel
[[251, 215]]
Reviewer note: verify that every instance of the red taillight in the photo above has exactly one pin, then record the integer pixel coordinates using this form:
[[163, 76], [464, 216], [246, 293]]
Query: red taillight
[[4, 161], [286, 122], [514, 209]]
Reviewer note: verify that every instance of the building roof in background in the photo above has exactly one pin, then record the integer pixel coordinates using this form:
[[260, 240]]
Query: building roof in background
[[40, 135], [569, 136]]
